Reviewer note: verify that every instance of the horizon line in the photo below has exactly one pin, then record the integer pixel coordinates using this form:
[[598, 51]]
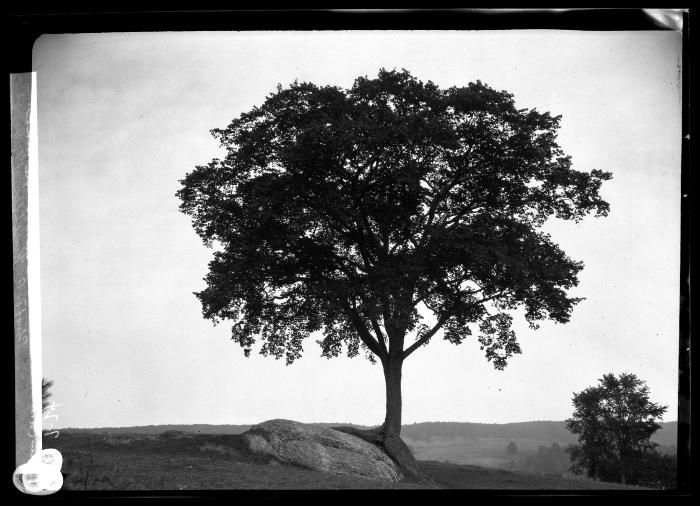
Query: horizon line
[[310, 423]]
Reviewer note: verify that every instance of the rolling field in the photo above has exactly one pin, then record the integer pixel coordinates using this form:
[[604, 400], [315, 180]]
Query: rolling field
[[179, 461], [489, 452]]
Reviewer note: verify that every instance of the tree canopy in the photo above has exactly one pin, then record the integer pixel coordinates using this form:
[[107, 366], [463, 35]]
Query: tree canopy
[[353, 211], [614, 421]]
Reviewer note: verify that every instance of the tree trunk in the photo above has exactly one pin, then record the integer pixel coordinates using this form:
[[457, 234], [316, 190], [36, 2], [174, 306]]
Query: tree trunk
[[623, 468], [387, 436], [392, 379], [390, 430]]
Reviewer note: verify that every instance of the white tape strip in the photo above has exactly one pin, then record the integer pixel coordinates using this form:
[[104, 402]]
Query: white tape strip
[[33, 264]]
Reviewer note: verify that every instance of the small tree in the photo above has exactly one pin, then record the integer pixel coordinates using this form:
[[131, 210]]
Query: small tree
[[355, 212], [558, 458], [45, 393], [614, 422], [512, 449]]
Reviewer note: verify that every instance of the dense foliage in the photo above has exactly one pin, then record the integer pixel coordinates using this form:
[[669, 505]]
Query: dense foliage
[[344, 210]]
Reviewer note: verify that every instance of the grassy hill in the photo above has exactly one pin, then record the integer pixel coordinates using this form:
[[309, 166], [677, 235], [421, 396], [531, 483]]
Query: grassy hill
[[539, 445], [187, 461]]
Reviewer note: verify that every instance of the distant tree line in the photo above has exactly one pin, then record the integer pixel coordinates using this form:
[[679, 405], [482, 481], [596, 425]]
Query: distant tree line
[[549, 460]]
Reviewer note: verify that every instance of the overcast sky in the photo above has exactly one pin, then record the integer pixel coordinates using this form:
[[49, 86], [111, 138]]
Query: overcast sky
[[123, 117]]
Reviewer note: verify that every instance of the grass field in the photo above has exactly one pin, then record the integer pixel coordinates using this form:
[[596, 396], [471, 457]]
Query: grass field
[[487, 452], [210, 462]]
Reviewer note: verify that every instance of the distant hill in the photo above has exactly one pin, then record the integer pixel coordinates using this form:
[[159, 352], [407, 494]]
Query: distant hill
[[538, 431], [198, 428], [667, 435], [550, 431]]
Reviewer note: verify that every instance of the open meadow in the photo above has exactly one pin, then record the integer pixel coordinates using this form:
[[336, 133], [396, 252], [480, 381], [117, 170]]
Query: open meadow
[[176, 461], [491, 452]]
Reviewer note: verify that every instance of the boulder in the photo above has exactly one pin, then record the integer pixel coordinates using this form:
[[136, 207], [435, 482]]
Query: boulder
[[321, 449]]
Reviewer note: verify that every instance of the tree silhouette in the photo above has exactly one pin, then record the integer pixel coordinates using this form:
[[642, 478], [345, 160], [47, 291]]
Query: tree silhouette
[[45, 394], [558, 458], [512, 448], [382, 214], [549, 460], [614, 422]]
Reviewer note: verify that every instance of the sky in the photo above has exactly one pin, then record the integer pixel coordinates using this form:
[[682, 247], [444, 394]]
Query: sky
[[123, 117]]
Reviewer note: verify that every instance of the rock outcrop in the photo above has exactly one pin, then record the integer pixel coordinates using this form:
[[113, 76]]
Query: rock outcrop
[[321, 449]]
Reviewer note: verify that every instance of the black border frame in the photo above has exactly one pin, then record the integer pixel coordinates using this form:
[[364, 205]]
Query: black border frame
[[25, 24]]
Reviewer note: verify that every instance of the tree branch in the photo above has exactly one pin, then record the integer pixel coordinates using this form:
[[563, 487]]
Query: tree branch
[[369, 233], [446, 316], [455, 286], [441, 321], [380, 336], [364, 334], [437, 199], [381, 339]]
